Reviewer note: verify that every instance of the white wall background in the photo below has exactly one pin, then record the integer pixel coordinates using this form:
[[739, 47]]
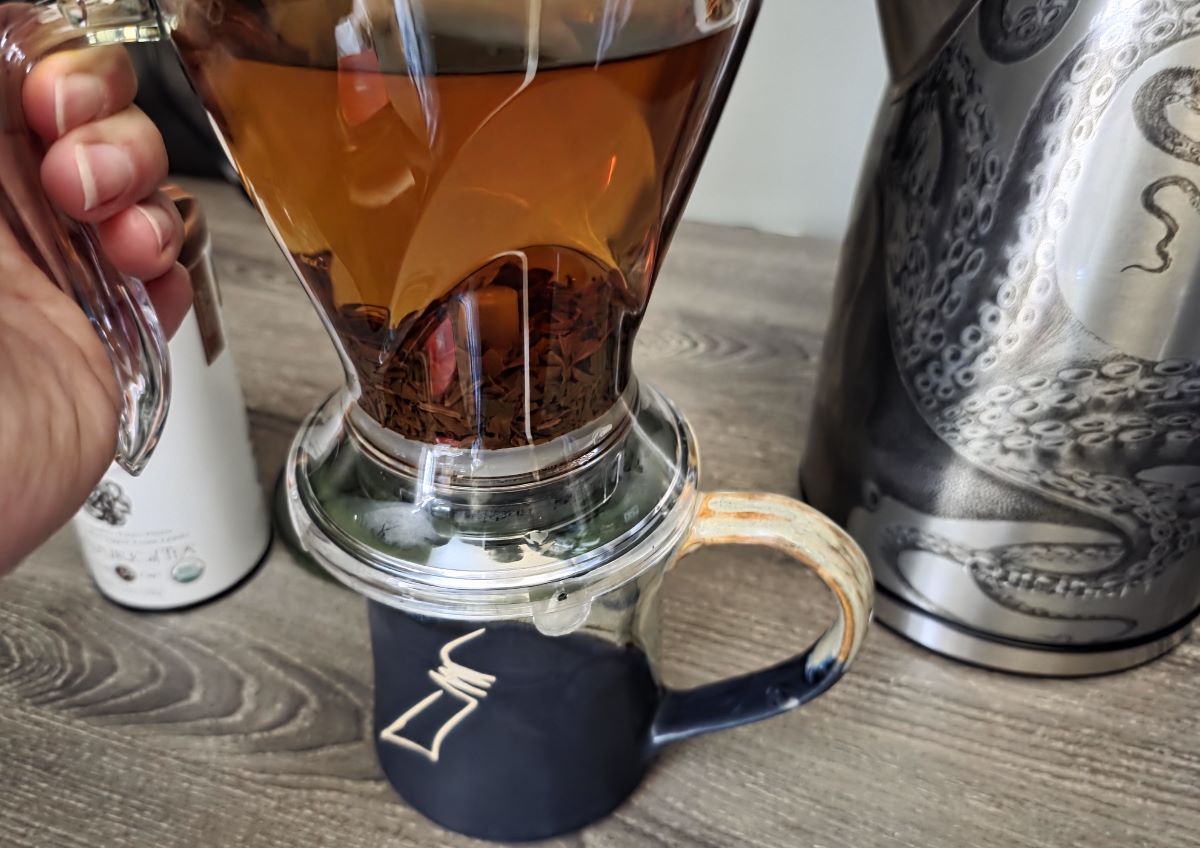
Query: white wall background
[[787, 154]]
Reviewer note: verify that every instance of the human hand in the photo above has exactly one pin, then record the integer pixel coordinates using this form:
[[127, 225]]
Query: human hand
[[59, 401]]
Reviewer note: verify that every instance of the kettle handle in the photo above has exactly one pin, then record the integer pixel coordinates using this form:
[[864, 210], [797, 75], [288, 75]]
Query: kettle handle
[[67, 251]]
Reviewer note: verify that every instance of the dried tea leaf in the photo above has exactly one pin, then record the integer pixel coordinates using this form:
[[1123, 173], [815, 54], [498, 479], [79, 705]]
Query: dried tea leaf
[[462, 371]]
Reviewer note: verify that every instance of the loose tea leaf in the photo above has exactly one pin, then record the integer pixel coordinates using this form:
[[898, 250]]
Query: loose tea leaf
[[509, 357]]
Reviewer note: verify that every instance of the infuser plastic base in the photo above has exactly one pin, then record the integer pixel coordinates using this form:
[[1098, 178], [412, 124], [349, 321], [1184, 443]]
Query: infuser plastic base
[[494, 547], [959, 643], [288, 535]]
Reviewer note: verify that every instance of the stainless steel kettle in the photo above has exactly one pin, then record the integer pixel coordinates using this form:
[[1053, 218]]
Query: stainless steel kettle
[[1008, 416]]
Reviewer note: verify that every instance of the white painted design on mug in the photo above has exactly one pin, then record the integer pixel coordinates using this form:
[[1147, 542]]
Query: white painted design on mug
[[457, 681]]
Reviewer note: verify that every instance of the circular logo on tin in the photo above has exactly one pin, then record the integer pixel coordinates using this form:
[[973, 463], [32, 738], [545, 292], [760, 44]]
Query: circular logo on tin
[[187, 570], [109, 504]]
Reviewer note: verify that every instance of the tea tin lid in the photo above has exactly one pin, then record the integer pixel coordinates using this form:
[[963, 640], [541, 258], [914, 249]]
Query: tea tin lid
[[195, 226]]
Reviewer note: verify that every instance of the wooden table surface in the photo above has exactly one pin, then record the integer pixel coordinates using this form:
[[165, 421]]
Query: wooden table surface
[[247, 722]]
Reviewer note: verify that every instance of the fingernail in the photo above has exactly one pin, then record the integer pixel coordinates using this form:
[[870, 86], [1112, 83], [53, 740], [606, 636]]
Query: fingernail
[[105, 172], [159, 221], [77, 99]]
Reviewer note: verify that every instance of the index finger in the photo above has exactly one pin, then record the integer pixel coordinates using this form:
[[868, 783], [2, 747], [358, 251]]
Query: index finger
[[67, 89]]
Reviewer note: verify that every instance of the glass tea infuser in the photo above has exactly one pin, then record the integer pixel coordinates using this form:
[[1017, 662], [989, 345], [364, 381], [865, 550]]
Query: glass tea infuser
[[477, 196]]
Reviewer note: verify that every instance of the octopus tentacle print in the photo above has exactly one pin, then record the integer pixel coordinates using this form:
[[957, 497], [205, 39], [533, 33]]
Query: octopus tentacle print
[[1151, 204], [1168, 88], [980, 330], [1012, 35], [1002, 571]]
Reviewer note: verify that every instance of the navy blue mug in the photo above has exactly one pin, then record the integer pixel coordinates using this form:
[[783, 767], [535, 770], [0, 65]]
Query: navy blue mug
[[523, 727]]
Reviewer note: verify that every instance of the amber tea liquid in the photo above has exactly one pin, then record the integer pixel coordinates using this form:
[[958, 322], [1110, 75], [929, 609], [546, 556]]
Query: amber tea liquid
[[483, 242]]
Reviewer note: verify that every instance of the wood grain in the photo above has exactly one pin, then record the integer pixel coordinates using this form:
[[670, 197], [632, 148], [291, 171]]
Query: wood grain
[[246, 722]]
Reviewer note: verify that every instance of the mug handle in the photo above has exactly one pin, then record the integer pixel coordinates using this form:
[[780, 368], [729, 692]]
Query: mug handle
[[736, 518], [69, 252]]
